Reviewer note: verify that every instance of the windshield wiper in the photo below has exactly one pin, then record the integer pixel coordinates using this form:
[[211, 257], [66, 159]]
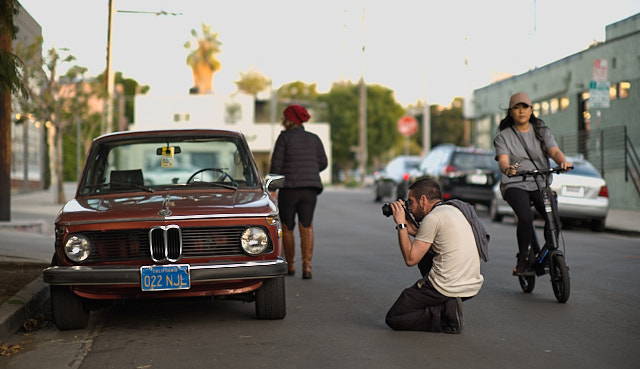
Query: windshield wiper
[[216, 184], [121, 184]]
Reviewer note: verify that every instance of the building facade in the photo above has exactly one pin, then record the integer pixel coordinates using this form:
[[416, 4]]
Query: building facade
[[27, 134], [591, 101]]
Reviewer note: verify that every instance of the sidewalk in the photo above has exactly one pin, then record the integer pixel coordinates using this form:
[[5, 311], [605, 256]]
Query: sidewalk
[[28, 237]]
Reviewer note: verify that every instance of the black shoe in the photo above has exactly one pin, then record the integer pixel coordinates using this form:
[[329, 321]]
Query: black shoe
[[523, 269], [455, 327]]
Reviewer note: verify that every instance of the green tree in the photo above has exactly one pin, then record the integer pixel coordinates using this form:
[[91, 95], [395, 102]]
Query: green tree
[[383, 112], [55, 101], [298, 90], [304, 94], [130, 88], [202, 59], [252, 82], [447, 124]]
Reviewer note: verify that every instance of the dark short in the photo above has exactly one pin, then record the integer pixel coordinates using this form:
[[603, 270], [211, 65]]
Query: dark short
[[300, 201]]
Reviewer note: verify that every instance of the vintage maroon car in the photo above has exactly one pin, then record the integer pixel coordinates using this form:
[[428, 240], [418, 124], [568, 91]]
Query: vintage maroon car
[[163, 214]]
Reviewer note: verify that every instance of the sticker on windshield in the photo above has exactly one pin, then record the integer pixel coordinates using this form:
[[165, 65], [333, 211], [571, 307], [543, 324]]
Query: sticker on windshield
[[167, 157]]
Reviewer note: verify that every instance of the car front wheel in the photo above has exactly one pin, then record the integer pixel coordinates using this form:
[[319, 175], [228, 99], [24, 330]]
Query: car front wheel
[[69, 310], [270, 299]]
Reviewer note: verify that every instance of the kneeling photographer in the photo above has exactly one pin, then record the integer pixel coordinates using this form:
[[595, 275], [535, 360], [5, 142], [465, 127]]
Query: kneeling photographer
[[447, 244]]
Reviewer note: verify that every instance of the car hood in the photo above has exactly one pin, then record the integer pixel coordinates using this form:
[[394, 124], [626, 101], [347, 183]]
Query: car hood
[[166, 206]]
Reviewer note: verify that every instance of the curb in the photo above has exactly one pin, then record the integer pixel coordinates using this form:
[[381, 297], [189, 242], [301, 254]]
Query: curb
[[22, 306]]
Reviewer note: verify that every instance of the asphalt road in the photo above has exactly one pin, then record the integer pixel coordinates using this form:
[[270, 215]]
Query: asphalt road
[[336, 320]]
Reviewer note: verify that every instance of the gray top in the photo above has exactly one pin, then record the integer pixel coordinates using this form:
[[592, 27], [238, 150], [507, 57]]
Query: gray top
[[506, 142]]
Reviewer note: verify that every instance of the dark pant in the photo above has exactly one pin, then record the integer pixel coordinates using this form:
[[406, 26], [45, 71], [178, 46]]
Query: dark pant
[[520, 201], [421, 309], [301, 201]]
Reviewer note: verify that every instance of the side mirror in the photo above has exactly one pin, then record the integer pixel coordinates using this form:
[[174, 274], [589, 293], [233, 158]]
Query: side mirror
[[274, 181]]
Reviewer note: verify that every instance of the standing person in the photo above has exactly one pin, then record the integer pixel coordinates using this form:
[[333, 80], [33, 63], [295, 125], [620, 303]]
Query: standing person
[[444, 246], [298, 155], [524, 141]]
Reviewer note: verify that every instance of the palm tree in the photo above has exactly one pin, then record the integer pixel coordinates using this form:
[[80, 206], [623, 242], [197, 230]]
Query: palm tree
[[202, 59]]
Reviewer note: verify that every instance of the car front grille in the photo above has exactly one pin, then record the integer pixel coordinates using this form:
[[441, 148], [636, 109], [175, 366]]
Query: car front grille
[[170, 243]]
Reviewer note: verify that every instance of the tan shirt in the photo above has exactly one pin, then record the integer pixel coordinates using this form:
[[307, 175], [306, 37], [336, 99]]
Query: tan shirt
[[456, 265]]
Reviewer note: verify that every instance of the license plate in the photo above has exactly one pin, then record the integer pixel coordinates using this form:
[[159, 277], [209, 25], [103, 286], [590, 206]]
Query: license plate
[[573, 191], [478, 179], [165, 277]]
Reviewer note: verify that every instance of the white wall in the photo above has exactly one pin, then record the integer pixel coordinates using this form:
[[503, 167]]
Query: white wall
[[235, 112]]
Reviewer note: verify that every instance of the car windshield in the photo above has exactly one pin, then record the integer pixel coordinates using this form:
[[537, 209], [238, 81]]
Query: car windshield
[[399, 166], [164, 163], [470, 161]]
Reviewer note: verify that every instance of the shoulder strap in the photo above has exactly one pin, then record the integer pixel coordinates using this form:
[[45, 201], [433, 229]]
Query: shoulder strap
[[525, 146]]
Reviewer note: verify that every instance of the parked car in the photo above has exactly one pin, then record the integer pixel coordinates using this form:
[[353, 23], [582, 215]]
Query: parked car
[[393, 181], [464, 173], [582, 196], [215, 232]]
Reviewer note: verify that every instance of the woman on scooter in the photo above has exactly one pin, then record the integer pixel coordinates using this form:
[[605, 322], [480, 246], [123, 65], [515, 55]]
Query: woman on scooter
[[523, 141]]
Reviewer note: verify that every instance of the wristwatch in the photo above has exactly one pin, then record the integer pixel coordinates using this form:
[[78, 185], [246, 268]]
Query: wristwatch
[[401, 226]]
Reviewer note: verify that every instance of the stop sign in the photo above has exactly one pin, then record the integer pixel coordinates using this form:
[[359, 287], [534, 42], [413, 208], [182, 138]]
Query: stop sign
[[407, 126]]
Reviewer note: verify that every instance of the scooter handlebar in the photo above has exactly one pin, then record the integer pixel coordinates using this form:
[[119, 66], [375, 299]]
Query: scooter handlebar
[[540, 172]]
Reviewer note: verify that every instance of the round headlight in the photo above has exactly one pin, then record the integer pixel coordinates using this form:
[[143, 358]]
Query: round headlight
[[254, 240], [77, 248]]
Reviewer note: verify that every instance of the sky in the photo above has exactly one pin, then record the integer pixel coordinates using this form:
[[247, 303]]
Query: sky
[[421, 49]]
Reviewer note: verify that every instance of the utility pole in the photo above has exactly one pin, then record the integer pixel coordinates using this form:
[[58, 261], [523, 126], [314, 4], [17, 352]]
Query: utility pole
[[362, 152], [109, 75], [108, 103], [426, 119]]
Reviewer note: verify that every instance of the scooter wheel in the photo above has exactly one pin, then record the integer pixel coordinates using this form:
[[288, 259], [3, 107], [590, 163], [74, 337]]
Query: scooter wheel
[[527, 283]]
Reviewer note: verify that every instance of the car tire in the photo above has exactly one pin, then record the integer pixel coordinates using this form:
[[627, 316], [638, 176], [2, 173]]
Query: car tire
[[597, 225], [493, 211], [270, 299], [69, 310]]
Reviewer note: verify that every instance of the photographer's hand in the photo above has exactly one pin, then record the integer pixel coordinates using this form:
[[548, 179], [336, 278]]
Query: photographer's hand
[[399, 215]]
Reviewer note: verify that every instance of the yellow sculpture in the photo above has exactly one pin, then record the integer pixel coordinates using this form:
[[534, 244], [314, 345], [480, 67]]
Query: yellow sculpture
[[202, 59]]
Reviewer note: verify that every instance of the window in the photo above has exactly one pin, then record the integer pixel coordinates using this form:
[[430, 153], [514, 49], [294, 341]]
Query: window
[[553, 106], [623, 90], [613, 91], [536, 109], [564, 103], [545, 108]]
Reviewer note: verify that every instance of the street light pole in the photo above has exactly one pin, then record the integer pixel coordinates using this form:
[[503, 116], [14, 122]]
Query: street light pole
[[362, 152], [109, 75]]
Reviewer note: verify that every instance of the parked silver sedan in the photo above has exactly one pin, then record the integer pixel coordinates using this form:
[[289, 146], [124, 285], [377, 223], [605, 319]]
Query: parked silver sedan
[[393, 181], [582, 196]]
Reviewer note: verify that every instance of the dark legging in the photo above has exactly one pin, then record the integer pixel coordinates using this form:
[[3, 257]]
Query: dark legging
[[520, 201], [301, 201]]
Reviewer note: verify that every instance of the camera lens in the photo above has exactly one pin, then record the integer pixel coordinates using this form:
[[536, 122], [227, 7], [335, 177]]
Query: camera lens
[[386, 210]]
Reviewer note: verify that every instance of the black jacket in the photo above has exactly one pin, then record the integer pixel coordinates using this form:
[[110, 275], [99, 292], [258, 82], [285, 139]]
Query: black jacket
[[299, 155]]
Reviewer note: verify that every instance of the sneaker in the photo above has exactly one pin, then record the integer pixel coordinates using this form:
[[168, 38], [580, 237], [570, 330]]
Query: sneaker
[[455, 327], [523, 269]]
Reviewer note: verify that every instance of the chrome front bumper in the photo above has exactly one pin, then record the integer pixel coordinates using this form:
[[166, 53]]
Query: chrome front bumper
[[130, 275]]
